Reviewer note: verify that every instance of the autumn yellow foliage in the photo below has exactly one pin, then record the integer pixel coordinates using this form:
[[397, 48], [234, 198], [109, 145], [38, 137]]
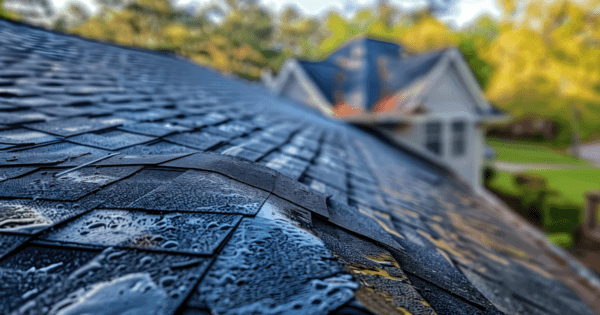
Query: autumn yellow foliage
[[540, 58]]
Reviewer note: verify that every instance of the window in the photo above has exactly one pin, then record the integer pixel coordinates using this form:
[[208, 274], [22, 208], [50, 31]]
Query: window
[[433, 137], [459, 135]]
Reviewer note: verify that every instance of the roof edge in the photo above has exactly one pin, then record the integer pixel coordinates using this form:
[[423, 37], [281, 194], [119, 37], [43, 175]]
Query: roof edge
[[292, 67]]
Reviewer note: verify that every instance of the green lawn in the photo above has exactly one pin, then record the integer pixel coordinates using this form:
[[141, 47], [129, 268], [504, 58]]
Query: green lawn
[[571, 183], [503, 182], [523, 152], [572, 186]]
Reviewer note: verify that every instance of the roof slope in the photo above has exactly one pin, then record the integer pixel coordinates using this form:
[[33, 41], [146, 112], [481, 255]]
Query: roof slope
[[366, 70], [226, 200]]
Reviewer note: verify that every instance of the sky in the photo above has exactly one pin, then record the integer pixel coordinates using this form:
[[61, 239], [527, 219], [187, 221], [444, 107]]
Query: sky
[[465, 12]]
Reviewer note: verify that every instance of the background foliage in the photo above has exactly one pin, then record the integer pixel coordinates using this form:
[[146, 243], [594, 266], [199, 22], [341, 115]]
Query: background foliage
[[539, 60]]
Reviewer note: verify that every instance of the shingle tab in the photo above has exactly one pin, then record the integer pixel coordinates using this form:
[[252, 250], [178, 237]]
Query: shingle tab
[[293, 264], [9, 242], [69, 187], [22, 117], [203, 192], [301, 195], [24, 136], [12, 172], [63, 153], [112, 140], [127, 280], [77, 125], [196, 233], [122, 193], [154, 129], [196, 140], [33, 270], [358, 222], [30, 217], [252, 174]]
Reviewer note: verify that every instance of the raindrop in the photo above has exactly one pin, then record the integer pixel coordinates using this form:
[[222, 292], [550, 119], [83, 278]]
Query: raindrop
[[146, 260], [96, 225], [170, 244], [167, 281]]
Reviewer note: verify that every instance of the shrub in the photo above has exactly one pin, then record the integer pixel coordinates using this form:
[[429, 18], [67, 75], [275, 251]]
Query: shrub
[[541, 205], [561, 215], [489, 173], [533, 192], [564, 240]]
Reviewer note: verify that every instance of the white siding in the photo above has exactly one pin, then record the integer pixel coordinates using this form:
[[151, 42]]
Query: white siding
[[294, 90], [449, 95], [448, 101]]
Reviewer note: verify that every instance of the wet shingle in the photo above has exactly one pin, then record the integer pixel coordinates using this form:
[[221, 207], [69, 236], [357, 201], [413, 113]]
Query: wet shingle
[[69, 187], [240, 151], [157, 148], [22, 117], [11, 172], [77, 125], [32, 216], [9, 242], [154, 129], [285, 164], [195, 233], [123, 192], [112, 140], [301, 195], [200, 121], [360, 223], [286, 271], [127, 280], [423, 259], [24, 136], [203, 192], [196, 140], [63, 153], [34, 269], [442, 301], [230, 130], [242, 170]]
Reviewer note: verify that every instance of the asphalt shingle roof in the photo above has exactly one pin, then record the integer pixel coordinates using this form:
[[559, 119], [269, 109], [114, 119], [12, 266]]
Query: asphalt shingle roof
[[226, 200]]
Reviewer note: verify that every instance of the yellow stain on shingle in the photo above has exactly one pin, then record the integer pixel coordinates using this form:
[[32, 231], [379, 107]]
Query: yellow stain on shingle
[[411, 213], [535, 268], [403, 311], [376, 272], [383, 258], [441, 244], [381, 223]]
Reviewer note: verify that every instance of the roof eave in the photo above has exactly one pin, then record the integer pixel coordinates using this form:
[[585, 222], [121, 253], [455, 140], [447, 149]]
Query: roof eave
[[494, 119], [374, 119], [292, 67]]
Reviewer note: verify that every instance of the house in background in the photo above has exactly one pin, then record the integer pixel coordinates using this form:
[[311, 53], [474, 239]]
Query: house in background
[[430, 104]]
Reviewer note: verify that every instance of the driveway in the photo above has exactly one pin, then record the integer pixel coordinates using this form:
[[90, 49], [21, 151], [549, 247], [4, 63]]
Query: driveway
[[523, 167], [591, 152]]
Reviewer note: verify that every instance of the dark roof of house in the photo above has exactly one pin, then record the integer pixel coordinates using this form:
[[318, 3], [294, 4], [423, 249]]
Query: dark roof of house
[[370, 68], [226, 200]]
